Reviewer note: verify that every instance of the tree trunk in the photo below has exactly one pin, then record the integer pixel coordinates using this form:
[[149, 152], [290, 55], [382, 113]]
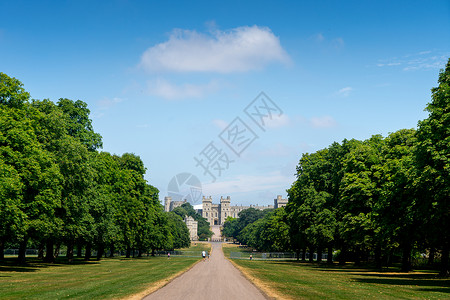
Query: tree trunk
[[69, 254], [319, 254], [153, 252], [357, 258], [56, 252], [140, 253], [330, 255], [87, 255], [100, 251], [41, 250], [298, 254], [304, 254], [311, 254], [378, 264], [343, 256], [128, 252], [112, 250], [431, 256], [22, 251], [444, 261], [49, 251], [2, 249], [79, 249], [406, 258]]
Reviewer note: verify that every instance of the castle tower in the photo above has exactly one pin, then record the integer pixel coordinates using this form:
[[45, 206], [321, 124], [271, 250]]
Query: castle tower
[[224, 209], [207, 210], [279, 202], [167, 201]]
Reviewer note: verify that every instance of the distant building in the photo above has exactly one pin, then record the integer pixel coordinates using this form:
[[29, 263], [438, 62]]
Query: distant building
[[216, 214], [192, 225], [170, 205], [279, 202]]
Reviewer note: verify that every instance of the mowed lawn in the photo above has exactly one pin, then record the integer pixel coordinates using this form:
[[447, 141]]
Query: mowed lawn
[[111, 278], [297, 280]]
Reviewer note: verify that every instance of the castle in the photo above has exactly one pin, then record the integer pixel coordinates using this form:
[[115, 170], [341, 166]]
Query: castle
[[216, 214]]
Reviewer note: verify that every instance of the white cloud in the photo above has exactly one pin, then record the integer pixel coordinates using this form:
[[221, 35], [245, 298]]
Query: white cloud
[[323, 122], [236, 50], [344, 92], [249, 183], [165, 89], [277, 121], [417, 61], [221, 124]]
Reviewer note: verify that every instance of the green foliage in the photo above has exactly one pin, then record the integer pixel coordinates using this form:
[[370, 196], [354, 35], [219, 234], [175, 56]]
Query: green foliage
[[433, 162], [203, 228], [12, 93], [374, 197], [55, 188]]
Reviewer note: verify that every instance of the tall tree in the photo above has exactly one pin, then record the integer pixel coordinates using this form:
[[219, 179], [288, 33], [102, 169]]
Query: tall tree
[[433, 163]]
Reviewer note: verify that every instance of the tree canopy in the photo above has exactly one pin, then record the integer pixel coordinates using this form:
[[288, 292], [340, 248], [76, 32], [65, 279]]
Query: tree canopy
[[57, 189]]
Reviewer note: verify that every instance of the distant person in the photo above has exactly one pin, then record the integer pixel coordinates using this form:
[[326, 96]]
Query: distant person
[[168, 255], [204, 255], [251, 256]]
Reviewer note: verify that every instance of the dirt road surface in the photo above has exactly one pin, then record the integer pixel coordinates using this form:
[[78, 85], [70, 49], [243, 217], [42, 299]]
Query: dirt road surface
[[215, 279]]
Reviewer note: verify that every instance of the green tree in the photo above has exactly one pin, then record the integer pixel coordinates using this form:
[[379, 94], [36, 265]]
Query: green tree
[[12, 93], [179, 231], [80, 125], [13, 218], [433, 164]]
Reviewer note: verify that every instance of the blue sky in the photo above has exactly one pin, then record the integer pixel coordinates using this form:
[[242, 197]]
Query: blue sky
[[165, 80]]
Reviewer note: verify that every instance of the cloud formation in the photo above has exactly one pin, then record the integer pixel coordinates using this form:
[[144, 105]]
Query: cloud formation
[[236, 50], [423, 60], [277, 121], [344, 92]]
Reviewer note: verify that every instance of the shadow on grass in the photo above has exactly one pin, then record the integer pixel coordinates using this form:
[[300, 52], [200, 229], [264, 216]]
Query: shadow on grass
[[443, 284], [436, 290], [33, 265]]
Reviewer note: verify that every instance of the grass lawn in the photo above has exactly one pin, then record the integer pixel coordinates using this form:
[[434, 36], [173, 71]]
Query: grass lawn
[[110, 278], [297, 280]]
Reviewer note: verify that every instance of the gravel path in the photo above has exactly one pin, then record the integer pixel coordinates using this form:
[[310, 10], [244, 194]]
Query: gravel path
[[215, 279]]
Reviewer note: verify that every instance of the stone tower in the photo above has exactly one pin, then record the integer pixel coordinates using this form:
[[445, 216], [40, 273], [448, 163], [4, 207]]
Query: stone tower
[[167, 201], [224, 209], [207, 209], [279, 202]]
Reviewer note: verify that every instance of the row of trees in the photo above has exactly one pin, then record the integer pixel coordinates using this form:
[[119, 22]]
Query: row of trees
[[369, 199], [265, 230], [57, 189], [203, 228]]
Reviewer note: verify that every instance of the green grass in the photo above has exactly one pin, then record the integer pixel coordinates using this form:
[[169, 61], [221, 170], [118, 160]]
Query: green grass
[[299, 280], [109, 278]]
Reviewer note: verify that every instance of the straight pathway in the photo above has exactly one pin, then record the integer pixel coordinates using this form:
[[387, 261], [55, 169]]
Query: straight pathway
[[215, 279]]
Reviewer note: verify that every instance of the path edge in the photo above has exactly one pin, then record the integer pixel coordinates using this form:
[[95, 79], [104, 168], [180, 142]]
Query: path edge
[[159, 284], [268, 293]]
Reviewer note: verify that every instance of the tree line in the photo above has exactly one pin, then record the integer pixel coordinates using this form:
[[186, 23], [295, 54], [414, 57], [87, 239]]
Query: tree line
[[368, 200], [57, 189], [203, 228]]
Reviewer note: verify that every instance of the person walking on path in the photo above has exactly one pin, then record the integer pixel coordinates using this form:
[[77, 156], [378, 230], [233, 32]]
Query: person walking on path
[[204, 255]]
